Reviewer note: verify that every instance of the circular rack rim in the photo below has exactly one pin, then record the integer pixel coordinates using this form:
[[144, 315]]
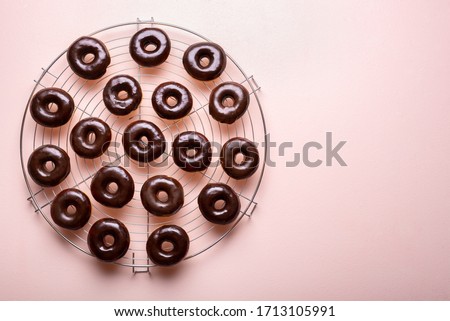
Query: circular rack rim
[[251, 82]]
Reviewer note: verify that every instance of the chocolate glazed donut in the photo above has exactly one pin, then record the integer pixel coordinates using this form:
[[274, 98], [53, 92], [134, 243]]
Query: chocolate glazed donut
[[76, 55], [177, 91], [103, 192], [44, 175], [207, 203], [231, 149], [195, 142], [192, 60], [60, 209], [172, 234], [116, 104], [80, 137], [40, 107], [237, 94], [98, 245], [136, 148], [150, 36], [161, 183]]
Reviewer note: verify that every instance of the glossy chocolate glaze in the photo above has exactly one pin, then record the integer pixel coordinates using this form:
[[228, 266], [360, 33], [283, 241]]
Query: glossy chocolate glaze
[[122, 106], [79, 137], [145, 37], [136, 149], [112, 174], [172, 234], [177, 91], [108, 227], [61, 203], [82, 47], [191, 140], [237, 93], [41, 113], [156, 184], [117, 105], [192, 60], [38, 170], [250, 163], [214, 192]]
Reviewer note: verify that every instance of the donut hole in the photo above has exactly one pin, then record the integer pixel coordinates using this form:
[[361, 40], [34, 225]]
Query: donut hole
[[108, 240], [204, 61], [150, 46], [172, 101], [91, 138], [143, 142], [122, 95], [71, 209], [162, 196], [191, 152], [219, 205], [88, 58], [239, 158], [49, 166], [167, 246], [112, 188], [228, 101], [52, 107]]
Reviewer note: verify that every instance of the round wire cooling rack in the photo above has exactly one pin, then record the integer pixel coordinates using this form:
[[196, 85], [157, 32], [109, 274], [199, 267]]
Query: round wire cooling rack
[[87, 95]]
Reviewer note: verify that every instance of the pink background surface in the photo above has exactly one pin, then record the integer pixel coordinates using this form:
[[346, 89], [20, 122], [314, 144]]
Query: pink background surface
[[375, 73]]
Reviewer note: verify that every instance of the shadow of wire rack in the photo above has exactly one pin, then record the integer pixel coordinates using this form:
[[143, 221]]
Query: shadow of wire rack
[[87, 95]]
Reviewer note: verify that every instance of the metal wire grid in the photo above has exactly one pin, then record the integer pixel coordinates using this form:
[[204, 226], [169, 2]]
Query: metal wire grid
[[87, 95]]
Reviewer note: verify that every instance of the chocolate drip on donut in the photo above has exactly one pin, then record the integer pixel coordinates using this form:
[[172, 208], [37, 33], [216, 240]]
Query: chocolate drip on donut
[[48, 165], [77, 55], [101, 186], [250, 162], [100, 246], [61, 214], [207, 203], [197, 53], [143, 141], [176, 236], [80, 137], [43, 114], [152, 201], [237, 94], [145, 38], [175, 91], [191, 151]]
